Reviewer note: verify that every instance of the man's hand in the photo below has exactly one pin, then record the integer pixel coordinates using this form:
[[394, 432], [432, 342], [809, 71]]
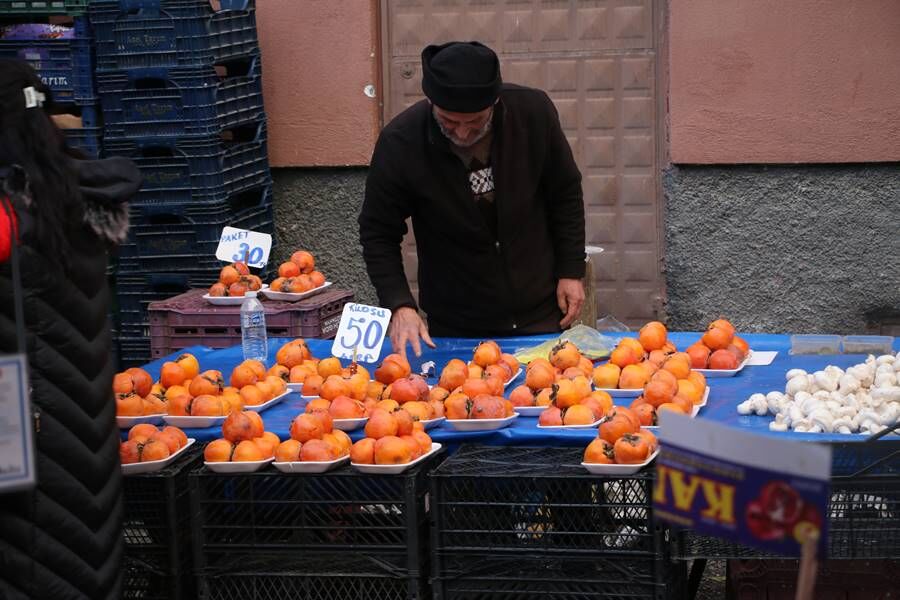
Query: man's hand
[[407, 326], [570, 296]]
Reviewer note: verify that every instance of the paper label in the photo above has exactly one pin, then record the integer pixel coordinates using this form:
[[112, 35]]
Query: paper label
[[361, 332], [242, 245], [17, 469]]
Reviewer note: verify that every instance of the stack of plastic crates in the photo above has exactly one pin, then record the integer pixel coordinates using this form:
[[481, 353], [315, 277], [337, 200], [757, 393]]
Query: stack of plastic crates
[[341, 534], [513, 523], [157, 531], [180, 85], [62, 54]]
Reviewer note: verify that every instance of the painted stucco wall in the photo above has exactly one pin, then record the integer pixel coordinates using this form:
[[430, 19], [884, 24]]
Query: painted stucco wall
[[318, 57], [783, 81], [783, 248], [316, 209]]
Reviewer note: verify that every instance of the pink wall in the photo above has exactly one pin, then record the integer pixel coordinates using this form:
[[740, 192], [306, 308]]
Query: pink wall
[[780, 81], [318, 56]]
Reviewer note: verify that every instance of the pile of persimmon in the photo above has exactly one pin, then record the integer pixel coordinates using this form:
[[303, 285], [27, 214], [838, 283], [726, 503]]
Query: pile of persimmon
[[244, 439], [313, 439], [188, 392], [392, 438], [673, 386], [298, 275], [147, 442], [718, 348], [136, 395], [562, 383], [631, 362], [460, 406], [621, 440], [486, 374], [328, 379], [294, 361], [235, 280]]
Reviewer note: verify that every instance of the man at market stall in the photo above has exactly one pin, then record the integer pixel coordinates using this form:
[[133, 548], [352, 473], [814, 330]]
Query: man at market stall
[[487, 176]]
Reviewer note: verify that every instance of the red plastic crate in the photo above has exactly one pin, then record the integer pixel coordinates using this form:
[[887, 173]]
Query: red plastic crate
[[189, 320]]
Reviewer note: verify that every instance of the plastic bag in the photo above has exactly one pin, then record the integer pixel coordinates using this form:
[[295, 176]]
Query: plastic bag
[[590, 342]]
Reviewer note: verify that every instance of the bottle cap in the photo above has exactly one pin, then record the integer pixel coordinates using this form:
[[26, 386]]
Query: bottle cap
[[250, 294]]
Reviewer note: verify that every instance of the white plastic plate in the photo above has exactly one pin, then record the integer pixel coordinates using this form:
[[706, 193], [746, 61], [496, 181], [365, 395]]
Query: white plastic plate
[[350, 424], [296, 387], [269, 404], [529, 411], [155, 465], [601, 469], [726, 372], [394, 469], [626, 393], [291, 297], [198, 422], [480, 424], [129, 422], [238, 467], [432, 423], [310, 466], [229, 300], [513, 378], [593, 425]]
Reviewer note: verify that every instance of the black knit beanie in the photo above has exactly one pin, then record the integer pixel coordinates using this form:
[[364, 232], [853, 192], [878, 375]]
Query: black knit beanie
[[461, 76]]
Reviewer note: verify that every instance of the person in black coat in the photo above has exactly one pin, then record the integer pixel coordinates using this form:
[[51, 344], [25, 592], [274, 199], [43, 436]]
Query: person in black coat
[[61, 539], [487, 176]]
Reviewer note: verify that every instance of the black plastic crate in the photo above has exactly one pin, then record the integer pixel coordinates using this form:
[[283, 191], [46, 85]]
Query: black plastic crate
[[538, 575], [65, 65], [135, 291], [197, 170], [132, 351], [863, 522], [142, 34], [315, 576], [178, 102], [382, 520], [511, 499], [179, 237], [157, 531]]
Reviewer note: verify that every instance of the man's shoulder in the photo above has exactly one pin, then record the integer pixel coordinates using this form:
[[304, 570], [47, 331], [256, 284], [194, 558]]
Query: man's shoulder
[[519, 95]]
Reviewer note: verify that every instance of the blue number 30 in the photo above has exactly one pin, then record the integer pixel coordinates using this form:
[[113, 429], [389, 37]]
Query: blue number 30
[[248, 254]]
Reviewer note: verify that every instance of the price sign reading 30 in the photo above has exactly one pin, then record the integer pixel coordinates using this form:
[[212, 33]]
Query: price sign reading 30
[[361, 332]]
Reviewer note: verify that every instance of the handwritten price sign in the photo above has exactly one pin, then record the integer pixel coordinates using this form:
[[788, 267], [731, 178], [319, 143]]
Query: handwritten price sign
[[245, 246], [361, 332]]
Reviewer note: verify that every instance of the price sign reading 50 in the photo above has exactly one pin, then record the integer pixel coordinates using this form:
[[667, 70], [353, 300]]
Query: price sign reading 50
[[361, 332]]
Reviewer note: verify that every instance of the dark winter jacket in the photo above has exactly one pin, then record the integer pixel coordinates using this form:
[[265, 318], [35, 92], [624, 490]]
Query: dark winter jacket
[[63, 539], [469, 279]]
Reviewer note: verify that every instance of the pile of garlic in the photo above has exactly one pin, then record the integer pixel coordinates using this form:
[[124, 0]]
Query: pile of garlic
[[863, 399]]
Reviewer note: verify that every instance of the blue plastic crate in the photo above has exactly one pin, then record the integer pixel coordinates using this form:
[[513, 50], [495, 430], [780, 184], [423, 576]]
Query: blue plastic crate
[[200, 170], [139, 34], [65, 65], [181, 102], [86, 139], [180, 237]]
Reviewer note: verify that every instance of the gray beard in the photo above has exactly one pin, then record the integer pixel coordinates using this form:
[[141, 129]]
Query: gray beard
[[456, 141]]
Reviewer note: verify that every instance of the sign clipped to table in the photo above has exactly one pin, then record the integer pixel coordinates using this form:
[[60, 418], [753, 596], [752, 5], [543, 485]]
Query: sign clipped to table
[[755, 490], [361, 332], [16, 455], [245, 246]]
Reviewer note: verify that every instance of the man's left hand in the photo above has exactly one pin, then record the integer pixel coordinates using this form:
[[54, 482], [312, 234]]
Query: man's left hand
[[570, 296]]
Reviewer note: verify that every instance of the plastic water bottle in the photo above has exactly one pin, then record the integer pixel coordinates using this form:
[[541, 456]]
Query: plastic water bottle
[[253, 329]]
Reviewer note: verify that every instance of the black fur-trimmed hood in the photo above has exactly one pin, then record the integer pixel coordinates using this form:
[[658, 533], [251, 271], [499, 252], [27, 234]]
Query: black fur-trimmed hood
[[106, 187]]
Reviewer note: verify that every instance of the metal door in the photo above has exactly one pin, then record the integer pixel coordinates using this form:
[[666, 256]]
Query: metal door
[[599, 62]]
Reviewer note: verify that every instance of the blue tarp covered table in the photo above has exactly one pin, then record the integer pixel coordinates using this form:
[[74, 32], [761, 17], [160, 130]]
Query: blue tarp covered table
[[725, 393]]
